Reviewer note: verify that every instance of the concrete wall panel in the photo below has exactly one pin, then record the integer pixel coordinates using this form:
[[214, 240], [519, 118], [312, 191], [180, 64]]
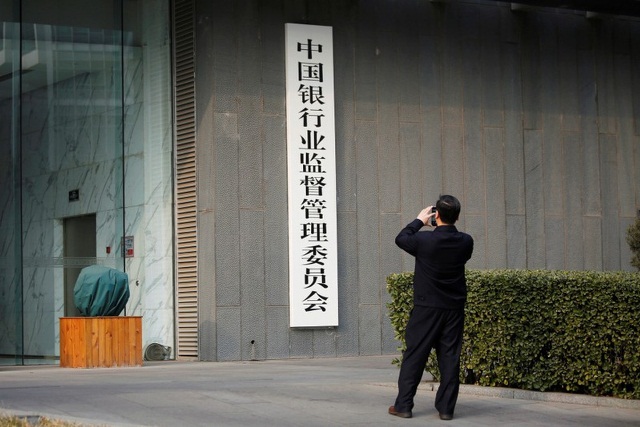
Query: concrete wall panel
[[367, 219], [529, 117], [369, 337], [495, 217], [348, 286], [227, 324], [252, 283], [277, 333], [227, 211], [276, 231]]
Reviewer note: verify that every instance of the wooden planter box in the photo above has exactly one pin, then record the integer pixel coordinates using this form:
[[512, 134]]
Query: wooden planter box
[[100, 342]]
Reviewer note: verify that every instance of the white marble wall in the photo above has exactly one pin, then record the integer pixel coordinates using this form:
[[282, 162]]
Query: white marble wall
[[72, 139]]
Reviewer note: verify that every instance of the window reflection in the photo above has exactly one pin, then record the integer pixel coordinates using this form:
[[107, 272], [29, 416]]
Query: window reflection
[[75, 121]]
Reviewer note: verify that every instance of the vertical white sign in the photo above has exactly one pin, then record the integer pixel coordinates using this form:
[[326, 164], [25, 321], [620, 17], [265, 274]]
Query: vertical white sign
[[313, 232]]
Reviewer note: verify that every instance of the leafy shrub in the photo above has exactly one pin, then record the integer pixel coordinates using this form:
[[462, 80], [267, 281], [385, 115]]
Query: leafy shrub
[[633, 239], [543, 330]]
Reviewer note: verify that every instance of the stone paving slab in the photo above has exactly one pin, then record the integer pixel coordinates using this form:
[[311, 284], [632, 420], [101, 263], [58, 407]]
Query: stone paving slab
[[295, 392]]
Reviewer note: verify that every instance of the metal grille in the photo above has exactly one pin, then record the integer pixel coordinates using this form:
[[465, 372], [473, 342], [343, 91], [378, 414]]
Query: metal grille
[[185, 190]]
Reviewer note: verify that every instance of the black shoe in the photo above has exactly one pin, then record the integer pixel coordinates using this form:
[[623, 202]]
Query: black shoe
[[446, 417], [392, 411]]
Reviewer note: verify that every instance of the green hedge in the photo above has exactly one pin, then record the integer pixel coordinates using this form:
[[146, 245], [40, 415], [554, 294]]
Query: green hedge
[[543, 330], [633, 239]]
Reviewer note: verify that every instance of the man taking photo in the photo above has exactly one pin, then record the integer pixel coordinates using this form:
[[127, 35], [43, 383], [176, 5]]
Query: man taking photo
[[439, 296]]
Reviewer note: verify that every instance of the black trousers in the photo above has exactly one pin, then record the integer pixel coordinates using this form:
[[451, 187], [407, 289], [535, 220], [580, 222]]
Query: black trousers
[[430, 328]]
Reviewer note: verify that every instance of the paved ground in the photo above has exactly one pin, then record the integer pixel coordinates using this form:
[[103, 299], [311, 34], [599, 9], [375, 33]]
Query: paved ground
[[302, 392]]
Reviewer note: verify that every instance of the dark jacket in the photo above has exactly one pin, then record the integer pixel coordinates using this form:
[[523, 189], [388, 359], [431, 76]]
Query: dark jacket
[[441, 255]]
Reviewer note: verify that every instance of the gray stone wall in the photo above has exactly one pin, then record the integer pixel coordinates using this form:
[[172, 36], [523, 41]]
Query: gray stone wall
[[530, 118]]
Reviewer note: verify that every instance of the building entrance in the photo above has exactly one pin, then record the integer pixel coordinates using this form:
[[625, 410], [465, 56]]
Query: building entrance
[[79, 251]]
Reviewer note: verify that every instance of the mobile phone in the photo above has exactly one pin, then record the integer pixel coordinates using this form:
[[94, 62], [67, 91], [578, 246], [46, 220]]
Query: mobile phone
[[433, 218]]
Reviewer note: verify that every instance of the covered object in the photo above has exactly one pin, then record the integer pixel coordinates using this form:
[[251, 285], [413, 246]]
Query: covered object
[[101, 291]]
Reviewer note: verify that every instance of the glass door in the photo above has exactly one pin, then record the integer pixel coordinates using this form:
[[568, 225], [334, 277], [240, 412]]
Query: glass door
[[72, 151]]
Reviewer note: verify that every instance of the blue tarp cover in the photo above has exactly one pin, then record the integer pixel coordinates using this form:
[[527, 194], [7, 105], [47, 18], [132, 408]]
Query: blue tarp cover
[[101, 291]]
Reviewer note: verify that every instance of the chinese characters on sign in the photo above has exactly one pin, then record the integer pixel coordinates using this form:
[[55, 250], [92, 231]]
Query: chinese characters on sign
[[313, 233]]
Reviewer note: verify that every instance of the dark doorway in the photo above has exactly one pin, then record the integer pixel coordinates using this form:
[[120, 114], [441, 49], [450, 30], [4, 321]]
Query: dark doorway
[[79, 252]]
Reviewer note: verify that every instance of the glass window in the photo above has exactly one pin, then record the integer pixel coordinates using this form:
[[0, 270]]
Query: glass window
[[88, 155], [10, 223]]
